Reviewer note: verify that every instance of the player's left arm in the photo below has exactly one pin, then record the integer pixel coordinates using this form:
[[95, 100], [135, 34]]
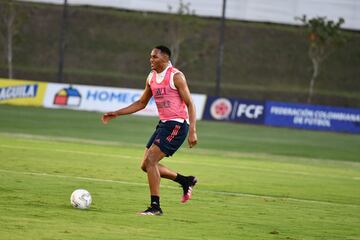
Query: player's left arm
[[181, 84]]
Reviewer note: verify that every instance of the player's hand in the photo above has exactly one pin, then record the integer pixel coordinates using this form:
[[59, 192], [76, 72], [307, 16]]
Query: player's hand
[[108, 116], [192, 139]]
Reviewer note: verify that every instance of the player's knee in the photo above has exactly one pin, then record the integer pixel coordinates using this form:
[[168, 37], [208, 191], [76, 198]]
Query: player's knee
[[151, 158], [143, 166]]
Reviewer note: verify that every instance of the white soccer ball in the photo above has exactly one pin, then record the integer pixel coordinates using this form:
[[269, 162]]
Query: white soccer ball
[[81, 199]]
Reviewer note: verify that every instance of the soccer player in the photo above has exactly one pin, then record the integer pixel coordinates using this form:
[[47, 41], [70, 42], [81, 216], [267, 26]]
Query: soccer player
[[177, 117]]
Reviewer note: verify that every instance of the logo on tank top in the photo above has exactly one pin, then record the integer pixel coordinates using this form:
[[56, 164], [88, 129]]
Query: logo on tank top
[[160, 91], [164, 104]]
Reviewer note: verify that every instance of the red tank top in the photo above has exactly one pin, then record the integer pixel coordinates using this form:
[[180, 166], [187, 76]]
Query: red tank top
[[168, 101]]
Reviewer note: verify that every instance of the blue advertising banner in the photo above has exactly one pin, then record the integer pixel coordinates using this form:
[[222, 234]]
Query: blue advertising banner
[[236, 110], [312, 117]]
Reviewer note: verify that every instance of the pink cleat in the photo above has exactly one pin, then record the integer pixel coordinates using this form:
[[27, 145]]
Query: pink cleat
[[188, 189]]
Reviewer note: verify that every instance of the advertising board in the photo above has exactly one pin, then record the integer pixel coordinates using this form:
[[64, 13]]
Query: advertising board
[[235, 110], [21, 92], [103, 99], [312, 117]]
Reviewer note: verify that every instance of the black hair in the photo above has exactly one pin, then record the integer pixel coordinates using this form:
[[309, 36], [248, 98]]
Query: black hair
[[164, 49]]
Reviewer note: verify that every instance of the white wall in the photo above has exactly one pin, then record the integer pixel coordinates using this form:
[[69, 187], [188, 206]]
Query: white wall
[[278, 11]]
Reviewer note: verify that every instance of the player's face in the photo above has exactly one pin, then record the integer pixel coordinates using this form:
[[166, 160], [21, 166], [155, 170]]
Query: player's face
[[158, 61]]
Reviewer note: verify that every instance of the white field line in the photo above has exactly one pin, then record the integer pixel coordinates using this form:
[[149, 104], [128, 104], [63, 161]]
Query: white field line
[[237, 194], [190, 163]]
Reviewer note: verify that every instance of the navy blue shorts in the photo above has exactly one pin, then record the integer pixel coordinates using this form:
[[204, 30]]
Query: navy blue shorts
[[169, 136]]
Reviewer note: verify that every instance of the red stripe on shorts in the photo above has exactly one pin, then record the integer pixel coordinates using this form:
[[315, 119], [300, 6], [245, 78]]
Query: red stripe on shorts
[[174, 133]]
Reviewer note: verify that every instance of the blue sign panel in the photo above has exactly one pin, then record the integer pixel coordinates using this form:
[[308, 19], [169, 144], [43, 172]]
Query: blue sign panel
[[236, 110], [312, 117]]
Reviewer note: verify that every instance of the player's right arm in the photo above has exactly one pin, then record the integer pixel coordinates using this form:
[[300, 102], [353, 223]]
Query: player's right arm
[[134, 107]]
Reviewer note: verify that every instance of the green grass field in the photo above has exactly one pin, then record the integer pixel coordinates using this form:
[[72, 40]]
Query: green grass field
[[254, 182]]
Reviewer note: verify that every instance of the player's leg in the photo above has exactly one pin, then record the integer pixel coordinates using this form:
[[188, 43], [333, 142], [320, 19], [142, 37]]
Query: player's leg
[[150, 162], [153, 156], [174, 139], [165, 141], [187, 182], [165, 172]]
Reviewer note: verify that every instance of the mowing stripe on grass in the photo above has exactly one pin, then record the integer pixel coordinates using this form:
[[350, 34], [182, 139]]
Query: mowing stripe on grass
[[199, 151], [191, 163], [67, 151], [236, 194], [41, 138]]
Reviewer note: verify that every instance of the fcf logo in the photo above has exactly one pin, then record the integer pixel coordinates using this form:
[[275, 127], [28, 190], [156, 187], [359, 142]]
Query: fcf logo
[[221, 108], [251, 111]]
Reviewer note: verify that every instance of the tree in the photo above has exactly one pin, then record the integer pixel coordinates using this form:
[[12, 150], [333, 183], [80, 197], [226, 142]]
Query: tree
[[183, 27], [324, 37], [11, 20], [7, 13]]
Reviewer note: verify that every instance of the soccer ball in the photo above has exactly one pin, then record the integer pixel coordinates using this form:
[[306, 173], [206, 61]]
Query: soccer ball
[[80, 198]]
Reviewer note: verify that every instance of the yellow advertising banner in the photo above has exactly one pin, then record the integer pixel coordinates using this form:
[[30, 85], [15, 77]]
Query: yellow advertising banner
[[22, 92]]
